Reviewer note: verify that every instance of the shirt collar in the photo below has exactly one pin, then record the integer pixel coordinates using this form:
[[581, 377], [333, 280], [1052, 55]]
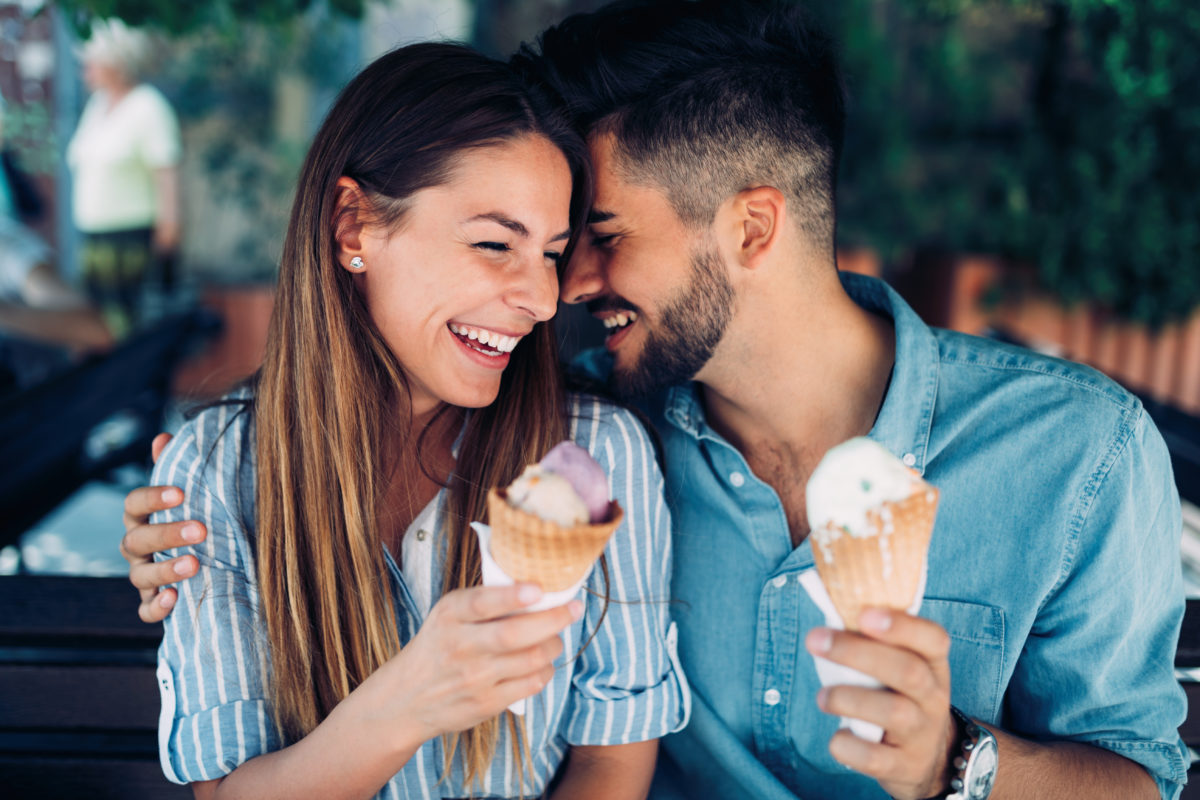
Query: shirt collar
[[906, 416]]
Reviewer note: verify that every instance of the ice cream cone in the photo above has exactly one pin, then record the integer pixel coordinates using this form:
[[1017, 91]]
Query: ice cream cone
[[882, 565], [529, 548]]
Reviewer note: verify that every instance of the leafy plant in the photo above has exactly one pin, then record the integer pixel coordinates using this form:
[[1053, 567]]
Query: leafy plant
[[1063, 134]]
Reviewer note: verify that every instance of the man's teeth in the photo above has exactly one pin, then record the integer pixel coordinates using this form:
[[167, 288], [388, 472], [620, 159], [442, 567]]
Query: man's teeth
[[495, 341], [620, 319]]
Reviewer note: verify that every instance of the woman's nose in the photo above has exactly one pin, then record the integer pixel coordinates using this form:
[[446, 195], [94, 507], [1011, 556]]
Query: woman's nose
[[536, 290]]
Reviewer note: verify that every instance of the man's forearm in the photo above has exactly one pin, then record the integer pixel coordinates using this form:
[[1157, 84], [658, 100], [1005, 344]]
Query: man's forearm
[[1064, 770], [610, 772]]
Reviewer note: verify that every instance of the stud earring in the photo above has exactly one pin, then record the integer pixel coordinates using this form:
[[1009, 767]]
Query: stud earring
[[356, 263]]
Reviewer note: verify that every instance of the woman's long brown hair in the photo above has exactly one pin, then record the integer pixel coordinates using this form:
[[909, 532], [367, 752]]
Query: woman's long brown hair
[[332, 403]]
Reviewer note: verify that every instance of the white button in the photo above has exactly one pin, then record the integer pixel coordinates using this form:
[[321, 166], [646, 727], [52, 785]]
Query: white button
[[778, 581], [909, 459], [771, 697], [421, 534], [737, 479]]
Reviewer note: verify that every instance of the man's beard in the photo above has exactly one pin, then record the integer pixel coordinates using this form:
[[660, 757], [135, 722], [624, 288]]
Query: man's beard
[[687, 333]]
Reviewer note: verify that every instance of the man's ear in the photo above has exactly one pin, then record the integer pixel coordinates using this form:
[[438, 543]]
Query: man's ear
[[349, 216], [753, 224]]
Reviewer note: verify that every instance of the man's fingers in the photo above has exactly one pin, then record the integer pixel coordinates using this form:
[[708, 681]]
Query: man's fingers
[[145, 500], [157, 607], [154, 575], [158, 445], [143, 541], [866, 757], [898, 715], [922, 636], [894, 666]]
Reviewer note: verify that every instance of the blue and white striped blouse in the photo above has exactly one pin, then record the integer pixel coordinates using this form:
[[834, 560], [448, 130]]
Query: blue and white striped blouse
[[625, 686]]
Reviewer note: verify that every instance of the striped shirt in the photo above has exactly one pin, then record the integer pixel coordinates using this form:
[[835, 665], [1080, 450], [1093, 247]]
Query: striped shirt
[[214, 672]]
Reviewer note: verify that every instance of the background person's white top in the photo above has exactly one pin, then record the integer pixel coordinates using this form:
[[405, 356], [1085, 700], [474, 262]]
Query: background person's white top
[[113, 156]]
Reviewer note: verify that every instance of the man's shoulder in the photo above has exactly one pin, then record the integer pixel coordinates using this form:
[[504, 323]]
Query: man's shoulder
[[989, 365]]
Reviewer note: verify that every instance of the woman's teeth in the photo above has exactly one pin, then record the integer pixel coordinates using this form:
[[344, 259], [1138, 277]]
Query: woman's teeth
[[494, 342], [620, 319]]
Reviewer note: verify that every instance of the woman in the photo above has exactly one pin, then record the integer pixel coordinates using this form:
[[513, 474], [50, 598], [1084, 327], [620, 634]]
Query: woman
[[335, 642], [124, 160]]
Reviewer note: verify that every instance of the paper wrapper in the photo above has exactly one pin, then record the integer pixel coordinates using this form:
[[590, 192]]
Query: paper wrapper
[[886, 569], [529, 548], [496, 575]]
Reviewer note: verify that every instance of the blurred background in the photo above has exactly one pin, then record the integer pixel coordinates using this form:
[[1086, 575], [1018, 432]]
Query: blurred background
[[1023, 169]]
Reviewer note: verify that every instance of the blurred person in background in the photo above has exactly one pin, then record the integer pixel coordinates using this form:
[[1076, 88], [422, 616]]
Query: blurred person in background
[[124, 160], [37, 307]]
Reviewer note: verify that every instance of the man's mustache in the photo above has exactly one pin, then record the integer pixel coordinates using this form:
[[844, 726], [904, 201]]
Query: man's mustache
[[602, 304]]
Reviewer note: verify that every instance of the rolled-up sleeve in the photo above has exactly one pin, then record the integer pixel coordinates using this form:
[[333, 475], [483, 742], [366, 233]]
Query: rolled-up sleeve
[[1099, 665], [212, 666], [627, 685]]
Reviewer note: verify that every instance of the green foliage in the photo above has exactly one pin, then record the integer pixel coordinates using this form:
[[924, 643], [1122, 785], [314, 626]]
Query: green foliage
[[28, 132], [1062, 134], [187, 16]]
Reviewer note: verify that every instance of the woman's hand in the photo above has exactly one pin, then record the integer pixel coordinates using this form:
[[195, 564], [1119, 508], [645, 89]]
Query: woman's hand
[[143, 539], [473, 656]]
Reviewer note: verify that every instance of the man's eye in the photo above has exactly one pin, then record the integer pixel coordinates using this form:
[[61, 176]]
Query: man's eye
[[554, 258], [603, 240], [496, 247]]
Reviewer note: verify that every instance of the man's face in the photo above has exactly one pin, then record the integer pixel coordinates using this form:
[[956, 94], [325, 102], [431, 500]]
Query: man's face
[[658, 286]]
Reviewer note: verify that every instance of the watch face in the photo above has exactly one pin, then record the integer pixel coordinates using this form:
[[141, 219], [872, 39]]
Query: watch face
[[981, 770]]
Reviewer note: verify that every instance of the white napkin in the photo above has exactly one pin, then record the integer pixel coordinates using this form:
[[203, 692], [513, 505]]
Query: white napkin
[[832, 674], [493, 575]]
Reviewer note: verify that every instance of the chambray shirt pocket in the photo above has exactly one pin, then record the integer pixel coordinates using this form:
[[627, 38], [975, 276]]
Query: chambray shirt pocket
[[976, 653]]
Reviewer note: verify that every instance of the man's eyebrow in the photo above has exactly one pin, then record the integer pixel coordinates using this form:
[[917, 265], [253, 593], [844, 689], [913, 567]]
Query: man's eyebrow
[[595, 216]]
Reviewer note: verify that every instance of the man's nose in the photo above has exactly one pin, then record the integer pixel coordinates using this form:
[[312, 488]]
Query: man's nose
[[582, 279]]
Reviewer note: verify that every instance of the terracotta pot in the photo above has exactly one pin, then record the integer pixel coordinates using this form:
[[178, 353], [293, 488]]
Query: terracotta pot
[[237, 351]]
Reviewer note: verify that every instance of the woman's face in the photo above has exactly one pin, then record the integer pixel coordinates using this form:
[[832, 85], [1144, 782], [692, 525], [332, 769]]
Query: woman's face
[[471, 270], [102, 76]]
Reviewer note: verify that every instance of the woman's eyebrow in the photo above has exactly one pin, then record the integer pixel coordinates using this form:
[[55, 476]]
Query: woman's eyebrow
[[513, 225]]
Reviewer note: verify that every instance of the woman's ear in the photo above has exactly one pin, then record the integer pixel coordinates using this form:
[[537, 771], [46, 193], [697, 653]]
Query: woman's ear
[[348, 224]]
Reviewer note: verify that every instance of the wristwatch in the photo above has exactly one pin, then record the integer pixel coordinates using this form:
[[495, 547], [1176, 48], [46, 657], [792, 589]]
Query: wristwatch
[[975, 765]]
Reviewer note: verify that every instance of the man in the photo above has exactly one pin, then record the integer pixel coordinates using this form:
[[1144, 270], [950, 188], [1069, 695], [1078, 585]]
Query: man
[[1054, 593]]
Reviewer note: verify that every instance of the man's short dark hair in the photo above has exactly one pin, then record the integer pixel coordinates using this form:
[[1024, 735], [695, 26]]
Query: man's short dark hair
[[705, 99]]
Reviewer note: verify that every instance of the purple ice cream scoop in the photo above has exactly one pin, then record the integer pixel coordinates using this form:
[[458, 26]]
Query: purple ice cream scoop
[[572, 462]]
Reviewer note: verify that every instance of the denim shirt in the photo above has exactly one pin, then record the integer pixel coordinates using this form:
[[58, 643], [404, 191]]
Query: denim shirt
[[1054, 566]]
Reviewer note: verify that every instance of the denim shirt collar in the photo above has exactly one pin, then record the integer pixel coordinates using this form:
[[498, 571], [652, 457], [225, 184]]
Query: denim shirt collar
[[906, 416]]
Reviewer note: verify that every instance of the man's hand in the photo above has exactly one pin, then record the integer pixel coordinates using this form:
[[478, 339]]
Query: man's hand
[[909, 656], [142, 540]]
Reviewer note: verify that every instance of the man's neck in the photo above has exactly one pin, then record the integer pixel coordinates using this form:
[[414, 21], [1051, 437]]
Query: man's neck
[[802, 372]]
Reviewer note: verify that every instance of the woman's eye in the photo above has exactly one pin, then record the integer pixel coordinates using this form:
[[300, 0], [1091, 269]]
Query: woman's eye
[[495, 247], [603, 240], [554, 258]]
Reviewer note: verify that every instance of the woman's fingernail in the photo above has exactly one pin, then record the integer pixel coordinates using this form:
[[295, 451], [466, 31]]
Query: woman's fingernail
[[529, 593], [820, 640], [166, 599], [575, 608], [190, 533], [823, 697], [181, 567]]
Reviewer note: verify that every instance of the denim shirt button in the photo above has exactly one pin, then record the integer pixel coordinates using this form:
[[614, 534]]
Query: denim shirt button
[[771, 697], [909, 459], [737, 479], [778, 581]]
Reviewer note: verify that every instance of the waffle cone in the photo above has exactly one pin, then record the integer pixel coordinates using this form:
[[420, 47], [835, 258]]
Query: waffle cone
[[529, 548], [883, 568]]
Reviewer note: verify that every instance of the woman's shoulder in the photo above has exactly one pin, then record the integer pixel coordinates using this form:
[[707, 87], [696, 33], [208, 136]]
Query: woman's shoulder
[[217, 438], [609, 431]]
